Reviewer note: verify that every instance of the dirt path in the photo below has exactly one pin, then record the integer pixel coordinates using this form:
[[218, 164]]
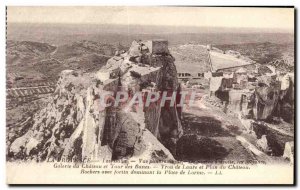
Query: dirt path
[[213, 135], [210, 139]]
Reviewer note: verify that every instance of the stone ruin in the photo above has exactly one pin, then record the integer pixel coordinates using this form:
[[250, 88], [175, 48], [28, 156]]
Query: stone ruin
[[263, 102], [73, 126]]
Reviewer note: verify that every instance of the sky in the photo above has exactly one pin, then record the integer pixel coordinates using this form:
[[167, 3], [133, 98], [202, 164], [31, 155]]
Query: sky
[[279, 18]]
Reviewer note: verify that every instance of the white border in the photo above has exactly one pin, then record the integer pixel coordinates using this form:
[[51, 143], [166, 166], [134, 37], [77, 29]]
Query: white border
[[107, 2]]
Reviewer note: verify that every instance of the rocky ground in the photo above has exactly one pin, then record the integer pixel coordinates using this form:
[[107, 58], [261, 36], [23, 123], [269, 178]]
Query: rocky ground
[[210, 134], [215, 133]]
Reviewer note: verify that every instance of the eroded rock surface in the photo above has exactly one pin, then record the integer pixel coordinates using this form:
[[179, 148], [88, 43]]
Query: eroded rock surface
[[75, 125]]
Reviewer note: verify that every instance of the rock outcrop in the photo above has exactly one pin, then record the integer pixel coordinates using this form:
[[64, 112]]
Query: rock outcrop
[[75, 124]]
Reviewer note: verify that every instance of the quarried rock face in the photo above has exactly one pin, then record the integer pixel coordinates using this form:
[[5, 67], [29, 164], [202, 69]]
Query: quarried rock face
[[140, 70], [76, 125]]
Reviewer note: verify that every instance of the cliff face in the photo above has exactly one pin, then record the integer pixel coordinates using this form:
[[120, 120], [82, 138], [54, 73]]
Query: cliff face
[[75, 124]]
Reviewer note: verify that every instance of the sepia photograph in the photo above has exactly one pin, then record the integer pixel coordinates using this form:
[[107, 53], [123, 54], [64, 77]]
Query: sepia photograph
[[150, 95]]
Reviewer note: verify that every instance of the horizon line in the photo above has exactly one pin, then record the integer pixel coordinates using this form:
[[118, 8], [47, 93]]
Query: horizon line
[[283, 30]]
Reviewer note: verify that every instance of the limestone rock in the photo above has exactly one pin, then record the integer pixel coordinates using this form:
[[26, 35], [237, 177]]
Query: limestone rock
[[75, 125], [262, 143], [289, 151]]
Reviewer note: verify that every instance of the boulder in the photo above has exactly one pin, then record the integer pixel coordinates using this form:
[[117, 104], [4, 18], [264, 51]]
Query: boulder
[[262, 143], [289, 151]]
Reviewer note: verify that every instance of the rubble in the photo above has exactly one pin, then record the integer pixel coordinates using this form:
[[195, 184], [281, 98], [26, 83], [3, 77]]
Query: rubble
[[256, 97]]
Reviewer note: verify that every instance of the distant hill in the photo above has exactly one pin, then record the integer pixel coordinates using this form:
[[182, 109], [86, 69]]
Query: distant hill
[[33, 61], [60, 34], [81, 48], [26, 51], [84, 55], [263, 53]]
